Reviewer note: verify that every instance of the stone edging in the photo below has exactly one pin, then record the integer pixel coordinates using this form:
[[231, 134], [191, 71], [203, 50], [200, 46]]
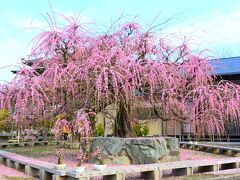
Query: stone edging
[[211, 148]]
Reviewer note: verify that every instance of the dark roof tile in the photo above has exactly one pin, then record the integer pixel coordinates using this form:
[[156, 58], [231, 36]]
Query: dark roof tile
[[226, 66]]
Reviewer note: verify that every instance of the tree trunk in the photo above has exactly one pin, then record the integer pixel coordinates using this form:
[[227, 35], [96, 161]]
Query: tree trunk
[[123, 125]]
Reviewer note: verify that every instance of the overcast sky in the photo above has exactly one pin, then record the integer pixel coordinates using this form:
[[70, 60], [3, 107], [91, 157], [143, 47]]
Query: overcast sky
[[213, 24]]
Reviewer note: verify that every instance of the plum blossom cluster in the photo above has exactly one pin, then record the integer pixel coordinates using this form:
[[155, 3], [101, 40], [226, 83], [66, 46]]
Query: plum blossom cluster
[[30, 138], [29, 135], [80, 126], [83, 156], [58, 127], [218, 103]]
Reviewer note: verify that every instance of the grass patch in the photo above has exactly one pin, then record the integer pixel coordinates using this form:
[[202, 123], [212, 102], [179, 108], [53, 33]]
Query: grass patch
[[18, 178], [36, 151]]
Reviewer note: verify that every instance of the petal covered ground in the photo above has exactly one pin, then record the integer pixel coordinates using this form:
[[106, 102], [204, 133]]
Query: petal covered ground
[[186, 154], [10, 172]]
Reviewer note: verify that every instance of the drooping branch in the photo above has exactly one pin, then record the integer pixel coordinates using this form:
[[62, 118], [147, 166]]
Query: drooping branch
[[84, 69]]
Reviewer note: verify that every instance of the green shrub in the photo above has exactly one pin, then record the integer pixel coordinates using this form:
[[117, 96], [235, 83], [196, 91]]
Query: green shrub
[[4, 114], [99, 130], [141, 129], [137, 128], [60, 116], [145, 130]]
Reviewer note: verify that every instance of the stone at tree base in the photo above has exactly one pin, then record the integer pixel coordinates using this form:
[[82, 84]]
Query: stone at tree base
[[172, 145], [68, 144], [135, 150], [74, 145]]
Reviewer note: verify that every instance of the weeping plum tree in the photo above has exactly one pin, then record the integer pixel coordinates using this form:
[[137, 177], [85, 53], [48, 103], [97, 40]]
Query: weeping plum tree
[[124, 66]]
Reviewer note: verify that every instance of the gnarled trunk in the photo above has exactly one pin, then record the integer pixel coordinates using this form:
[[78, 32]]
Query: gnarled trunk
[[123, 127]]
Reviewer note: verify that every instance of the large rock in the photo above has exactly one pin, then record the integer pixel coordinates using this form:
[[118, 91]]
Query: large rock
[[135, 150]]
